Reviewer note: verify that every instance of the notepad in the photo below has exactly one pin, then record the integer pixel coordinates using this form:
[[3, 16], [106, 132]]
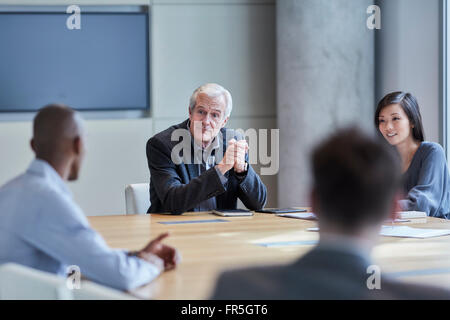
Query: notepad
[[300, 215], [287, 243], [280, 210], [193, 221], [291, 238], [412, 214], [232, 213], [396, 220], [408, 232]]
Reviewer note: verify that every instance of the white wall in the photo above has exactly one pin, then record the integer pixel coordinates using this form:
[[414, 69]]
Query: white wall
[[192, 42], [408, 53]]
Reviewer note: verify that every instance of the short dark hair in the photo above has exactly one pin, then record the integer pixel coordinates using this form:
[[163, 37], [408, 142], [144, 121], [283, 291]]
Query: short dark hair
[[50, 118], [410, 105], [51, 125], [355, 178]]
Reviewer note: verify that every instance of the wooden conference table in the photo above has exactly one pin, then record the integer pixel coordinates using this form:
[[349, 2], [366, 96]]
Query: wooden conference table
[[209, 247]]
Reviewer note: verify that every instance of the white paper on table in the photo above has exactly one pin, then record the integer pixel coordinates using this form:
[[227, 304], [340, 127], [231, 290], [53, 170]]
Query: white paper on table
[[312, 216], [299, 215], [412, 214], [408, 232], [300, 235]]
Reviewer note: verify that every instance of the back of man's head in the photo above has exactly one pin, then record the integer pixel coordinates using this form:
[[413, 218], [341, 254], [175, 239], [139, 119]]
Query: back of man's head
[[356, 178], [57, 133]]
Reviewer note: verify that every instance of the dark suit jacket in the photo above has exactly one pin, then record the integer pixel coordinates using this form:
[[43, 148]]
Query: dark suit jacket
[[178, 188], [321, 274]]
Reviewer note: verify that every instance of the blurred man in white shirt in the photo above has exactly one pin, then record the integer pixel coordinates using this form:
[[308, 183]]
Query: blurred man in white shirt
[[43, 228]]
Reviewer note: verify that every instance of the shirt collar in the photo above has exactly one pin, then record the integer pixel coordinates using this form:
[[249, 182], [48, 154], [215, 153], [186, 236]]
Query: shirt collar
[[348, 244], [44, 169]]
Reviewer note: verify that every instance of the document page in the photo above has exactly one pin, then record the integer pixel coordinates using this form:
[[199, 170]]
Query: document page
[[412, 214], [299, 215], [408, 232]]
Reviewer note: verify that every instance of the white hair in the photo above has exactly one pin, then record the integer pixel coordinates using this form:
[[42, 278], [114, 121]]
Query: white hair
[[212, 90]]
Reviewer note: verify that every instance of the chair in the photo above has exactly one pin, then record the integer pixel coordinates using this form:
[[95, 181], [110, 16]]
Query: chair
[[137, 198], [19, 282], [92, 291]]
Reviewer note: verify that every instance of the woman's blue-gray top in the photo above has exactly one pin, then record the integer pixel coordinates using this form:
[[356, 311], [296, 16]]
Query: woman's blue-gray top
[[427, 182]]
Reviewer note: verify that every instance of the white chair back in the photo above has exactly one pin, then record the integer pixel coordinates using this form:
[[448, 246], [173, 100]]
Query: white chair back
[[18, 282], [93, 291], [137, 198]]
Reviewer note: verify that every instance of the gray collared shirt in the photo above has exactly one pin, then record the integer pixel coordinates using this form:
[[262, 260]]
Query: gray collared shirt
[[205, 160]]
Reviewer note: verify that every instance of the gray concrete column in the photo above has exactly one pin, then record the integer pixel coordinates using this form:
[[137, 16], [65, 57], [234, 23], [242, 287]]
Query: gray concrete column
[[325, 80], [408, 57]]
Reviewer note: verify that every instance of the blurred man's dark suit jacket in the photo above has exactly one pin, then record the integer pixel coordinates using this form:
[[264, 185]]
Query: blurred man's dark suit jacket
[[321, 274]]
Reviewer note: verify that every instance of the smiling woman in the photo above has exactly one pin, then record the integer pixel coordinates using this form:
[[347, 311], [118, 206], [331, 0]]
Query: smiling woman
[[426, 180]]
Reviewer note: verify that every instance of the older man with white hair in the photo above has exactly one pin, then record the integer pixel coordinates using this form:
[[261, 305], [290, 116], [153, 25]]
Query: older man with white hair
[[214, 171]]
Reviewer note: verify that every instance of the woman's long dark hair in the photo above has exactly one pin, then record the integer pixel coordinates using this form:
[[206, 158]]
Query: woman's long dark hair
[[409, 104]]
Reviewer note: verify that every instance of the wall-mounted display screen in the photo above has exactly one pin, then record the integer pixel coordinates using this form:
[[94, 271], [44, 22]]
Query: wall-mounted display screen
[[104, 65]]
